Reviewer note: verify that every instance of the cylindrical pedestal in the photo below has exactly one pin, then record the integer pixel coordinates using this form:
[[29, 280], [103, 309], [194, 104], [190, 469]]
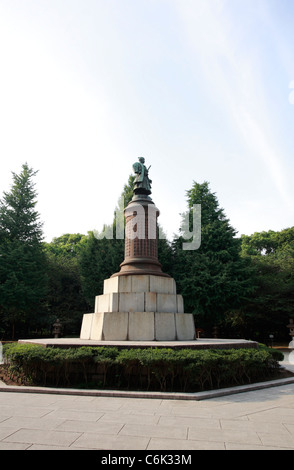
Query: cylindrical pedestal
[[141, 245]]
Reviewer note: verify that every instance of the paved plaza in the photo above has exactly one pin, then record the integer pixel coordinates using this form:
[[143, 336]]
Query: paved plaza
[[261, 419]]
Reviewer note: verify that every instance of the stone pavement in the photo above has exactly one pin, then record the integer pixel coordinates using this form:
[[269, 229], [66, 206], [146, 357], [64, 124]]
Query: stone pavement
[[253, 420]]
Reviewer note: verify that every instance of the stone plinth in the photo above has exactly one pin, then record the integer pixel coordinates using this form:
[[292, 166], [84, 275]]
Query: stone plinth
[[200, 343], [138, 308]]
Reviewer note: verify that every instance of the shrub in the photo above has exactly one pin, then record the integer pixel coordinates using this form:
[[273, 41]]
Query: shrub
[[145, 369], [276, 354]]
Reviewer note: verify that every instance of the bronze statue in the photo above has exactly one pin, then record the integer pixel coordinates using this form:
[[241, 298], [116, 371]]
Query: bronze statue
[[142, 180]]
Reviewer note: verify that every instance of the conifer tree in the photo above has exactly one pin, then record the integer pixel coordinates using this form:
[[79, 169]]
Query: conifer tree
[[23, 279], [213, 278]]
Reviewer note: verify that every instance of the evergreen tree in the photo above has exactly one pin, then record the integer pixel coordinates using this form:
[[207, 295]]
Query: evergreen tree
[[213, 278], [268, 310], [68, 245], [18, 218], [23, 280], [127, 193], [65, 300], [99, 259]]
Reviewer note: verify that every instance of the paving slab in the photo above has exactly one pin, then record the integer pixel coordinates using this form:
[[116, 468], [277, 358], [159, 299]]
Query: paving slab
[[258, 420], [256, 417], [183, 445], [92, 441], [37, 436]]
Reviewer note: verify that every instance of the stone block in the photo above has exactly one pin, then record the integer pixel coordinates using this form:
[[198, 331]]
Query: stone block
[[131, 302], [150, 302], [118, 284], [110, 285], [115, 326], [106, 303], [180, 304], [185, 327], [124, 284], [141, 326], [97, 326], [86, 326], [165, 327], [140, 283], [163, 285], [167, 303], [110, 326]]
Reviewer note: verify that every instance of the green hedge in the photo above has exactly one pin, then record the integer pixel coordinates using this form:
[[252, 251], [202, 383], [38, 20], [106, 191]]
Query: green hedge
[[139, 369]]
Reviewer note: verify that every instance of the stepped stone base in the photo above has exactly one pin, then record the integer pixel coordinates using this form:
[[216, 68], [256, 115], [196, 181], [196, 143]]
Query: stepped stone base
[[138, 326], [138, 308]]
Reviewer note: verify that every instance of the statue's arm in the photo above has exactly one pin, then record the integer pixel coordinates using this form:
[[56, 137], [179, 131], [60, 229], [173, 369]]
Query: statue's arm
[[137, 168]]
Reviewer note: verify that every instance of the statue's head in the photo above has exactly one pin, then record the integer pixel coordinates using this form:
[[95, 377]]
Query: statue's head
[[141, 159]]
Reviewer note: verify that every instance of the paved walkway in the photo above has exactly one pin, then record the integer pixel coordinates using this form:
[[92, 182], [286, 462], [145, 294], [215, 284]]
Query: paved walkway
[[252, 420]]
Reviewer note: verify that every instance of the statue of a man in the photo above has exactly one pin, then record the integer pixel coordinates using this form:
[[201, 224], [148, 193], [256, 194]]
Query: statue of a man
[[142, 181]]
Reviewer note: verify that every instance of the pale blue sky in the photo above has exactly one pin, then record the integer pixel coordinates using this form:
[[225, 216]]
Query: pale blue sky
[[200, 88]]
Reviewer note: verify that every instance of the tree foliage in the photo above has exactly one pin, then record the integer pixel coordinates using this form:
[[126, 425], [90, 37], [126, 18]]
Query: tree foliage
[[272, 304], [99, 259], [19, 219], [244, 285], [68, 245], [23, 277], [213, 278]]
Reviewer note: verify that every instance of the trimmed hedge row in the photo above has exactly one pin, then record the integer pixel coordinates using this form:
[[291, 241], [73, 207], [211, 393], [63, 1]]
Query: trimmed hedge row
[[139, 369]]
